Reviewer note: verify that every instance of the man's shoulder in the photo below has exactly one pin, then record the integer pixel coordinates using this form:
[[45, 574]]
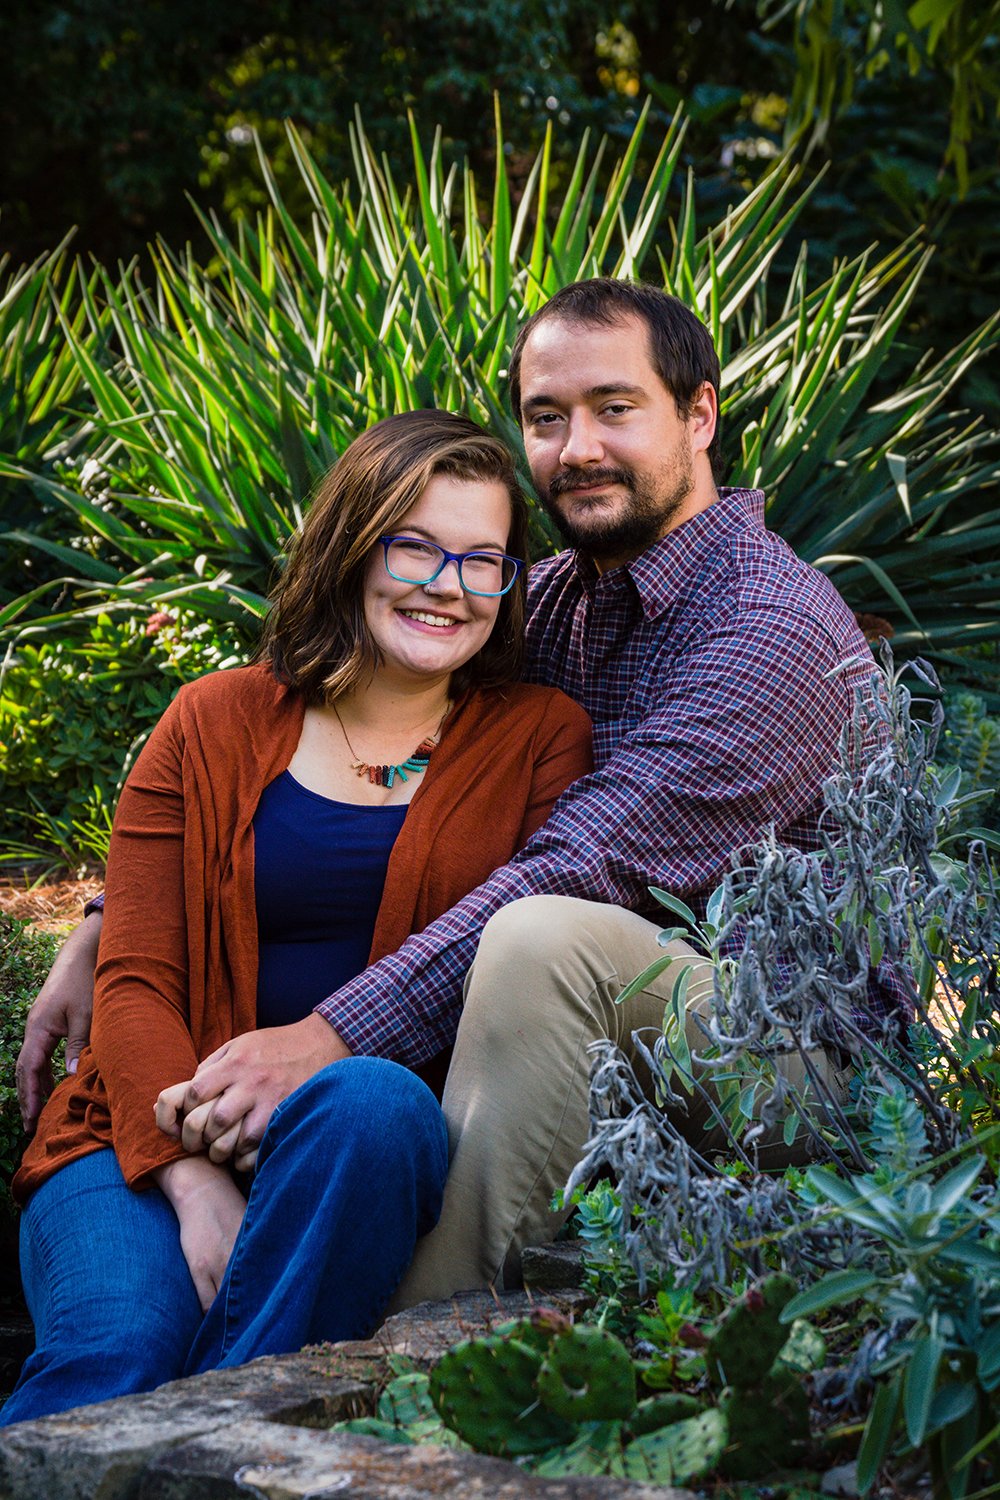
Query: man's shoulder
[[757, 570], [550, 572]]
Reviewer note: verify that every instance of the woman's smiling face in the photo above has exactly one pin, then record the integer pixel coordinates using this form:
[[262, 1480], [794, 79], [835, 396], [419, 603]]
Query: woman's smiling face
[[428, 630]]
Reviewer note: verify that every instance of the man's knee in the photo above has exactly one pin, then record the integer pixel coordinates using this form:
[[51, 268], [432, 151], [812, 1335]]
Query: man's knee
[[526, 930]]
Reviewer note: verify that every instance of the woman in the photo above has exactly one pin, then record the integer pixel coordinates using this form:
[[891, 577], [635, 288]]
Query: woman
[[285, 824]]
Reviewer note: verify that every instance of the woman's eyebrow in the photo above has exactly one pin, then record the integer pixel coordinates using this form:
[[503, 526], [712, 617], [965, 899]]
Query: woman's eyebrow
[[419, 531]]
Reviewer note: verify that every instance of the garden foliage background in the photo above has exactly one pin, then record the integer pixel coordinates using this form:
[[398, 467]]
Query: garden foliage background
[[291, 220]]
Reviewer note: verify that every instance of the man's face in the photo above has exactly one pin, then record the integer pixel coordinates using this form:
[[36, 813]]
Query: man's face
[[613, 462]]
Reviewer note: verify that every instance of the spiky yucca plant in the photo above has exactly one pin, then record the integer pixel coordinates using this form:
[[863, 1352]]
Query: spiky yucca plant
[[213, 395]]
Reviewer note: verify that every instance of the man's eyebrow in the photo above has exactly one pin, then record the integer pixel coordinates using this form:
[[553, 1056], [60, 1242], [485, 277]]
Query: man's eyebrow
[[612, 388]]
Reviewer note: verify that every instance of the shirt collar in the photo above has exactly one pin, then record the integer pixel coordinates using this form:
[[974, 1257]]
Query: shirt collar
[[661, 573]]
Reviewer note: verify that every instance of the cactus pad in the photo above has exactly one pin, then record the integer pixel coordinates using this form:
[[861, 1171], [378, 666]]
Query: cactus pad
[[749, 1337], [660, 1411], [680, 1452], [768, 1425], [588, 1376], [485, 1390], [597, 1449]]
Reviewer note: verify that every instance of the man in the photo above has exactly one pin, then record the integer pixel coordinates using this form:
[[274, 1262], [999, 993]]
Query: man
[[719, 671]]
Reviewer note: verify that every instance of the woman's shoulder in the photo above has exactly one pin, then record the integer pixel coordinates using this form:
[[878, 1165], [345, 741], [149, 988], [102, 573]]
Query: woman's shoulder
[[251, 689]]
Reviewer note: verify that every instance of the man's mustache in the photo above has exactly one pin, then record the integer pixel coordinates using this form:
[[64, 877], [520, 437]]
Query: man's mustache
[[571, 479]]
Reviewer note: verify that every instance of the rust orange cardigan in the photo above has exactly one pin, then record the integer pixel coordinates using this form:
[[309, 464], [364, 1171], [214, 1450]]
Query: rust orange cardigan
[[177, 969]]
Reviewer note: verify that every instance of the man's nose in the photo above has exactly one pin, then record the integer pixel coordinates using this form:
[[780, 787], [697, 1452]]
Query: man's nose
[[582, 443], [447, 584]]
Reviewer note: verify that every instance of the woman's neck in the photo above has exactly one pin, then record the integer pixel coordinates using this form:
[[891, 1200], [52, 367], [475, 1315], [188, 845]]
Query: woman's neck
[[394, 706]]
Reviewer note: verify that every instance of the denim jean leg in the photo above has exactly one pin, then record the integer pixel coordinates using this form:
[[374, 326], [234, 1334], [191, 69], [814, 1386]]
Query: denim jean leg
[[107, 1286], [349, 1175]]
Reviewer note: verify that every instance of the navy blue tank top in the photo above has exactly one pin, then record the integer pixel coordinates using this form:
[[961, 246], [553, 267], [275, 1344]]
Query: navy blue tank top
[[319, 869]]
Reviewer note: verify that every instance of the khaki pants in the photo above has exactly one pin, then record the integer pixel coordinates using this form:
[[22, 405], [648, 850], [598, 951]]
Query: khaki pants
[[542, 988]]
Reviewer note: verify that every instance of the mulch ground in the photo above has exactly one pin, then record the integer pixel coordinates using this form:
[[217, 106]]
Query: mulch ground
[[50, 905]]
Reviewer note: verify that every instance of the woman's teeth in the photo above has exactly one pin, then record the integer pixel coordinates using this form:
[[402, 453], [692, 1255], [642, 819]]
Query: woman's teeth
[[426, 619]]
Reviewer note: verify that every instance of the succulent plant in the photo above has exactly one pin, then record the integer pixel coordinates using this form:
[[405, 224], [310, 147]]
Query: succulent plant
[[588, 1376], [750, 1336], [768, 1424], [680, 1452], [486, 1390], [764, 1403], [660, 1411]]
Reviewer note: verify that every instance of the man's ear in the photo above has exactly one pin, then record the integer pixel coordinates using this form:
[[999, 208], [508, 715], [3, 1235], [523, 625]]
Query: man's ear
[[703, 418]]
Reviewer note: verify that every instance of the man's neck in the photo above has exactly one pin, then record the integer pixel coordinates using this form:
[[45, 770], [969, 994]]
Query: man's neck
[[699, 499]]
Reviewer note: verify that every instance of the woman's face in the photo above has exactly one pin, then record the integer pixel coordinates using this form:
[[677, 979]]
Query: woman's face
[[428, 630]]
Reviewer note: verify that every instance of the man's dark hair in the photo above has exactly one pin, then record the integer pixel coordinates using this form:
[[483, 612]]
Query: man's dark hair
[[680, 347]]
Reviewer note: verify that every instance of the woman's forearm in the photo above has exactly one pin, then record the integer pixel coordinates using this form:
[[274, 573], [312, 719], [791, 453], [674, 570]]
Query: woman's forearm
[[209, 1208], [62, 1008]]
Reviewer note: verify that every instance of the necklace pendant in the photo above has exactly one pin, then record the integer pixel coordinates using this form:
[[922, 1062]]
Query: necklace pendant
[[359, 767]]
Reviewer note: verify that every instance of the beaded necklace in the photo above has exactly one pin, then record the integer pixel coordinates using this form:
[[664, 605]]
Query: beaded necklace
[[386, 775]]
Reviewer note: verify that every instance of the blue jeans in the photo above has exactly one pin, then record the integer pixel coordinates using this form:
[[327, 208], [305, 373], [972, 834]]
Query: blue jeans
[[350, 1173]]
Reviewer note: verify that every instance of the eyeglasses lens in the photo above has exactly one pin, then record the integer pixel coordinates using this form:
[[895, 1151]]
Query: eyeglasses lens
[[413, 561]]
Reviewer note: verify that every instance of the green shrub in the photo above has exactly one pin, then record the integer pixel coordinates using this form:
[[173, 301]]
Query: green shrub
[[25, 960], [972, 741], [214, 393], [74, 711]]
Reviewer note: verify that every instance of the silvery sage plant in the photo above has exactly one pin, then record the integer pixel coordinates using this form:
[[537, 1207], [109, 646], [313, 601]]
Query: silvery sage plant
[[793, 937]]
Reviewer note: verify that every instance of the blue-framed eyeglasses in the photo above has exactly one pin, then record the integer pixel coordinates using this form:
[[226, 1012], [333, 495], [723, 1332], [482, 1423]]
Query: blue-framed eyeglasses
[[411, 559]]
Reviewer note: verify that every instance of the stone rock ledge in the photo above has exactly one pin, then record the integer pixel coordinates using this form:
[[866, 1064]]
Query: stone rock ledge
[[250, 1459], [260, 1430]]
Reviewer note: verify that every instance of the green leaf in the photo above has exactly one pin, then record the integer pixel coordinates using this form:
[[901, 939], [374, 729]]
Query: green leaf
[[643, 980], [833, 1290], [920, 1383], [674, 904], [878, 1433], [988, 1358]]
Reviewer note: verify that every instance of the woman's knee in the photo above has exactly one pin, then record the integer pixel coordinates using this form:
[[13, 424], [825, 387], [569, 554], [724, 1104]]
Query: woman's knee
[[372, 1103]]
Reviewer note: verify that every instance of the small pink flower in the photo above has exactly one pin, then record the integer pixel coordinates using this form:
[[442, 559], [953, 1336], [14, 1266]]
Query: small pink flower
[[157, 620]]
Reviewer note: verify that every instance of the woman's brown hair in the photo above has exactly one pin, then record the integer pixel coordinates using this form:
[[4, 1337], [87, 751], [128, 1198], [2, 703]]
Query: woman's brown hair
[[315, 636]]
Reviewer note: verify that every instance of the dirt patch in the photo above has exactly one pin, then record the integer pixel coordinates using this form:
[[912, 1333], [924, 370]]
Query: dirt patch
[[51, 905]]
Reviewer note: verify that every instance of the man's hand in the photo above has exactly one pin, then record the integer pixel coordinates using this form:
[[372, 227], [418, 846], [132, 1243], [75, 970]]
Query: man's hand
[[62, 1009], [209, 1208], [226, 1106]]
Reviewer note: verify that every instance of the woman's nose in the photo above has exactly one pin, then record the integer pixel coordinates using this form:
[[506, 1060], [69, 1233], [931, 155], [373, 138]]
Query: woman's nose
[[447, 584]]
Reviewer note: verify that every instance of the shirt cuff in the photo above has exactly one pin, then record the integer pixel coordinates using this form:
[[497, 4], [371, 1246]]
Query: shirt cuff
[[96, 903]]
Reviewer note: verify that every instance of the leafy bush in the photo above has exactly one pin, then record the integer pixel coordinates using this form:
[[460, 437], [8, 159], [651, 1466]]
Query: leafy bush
[[74, 711], [40, 397], [222, 395], [971, 740], [25, 960]]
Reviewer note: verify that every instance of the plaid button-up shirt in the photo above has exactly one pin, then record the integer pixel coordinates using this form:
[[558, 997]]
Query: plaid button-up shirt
[[719, 671]]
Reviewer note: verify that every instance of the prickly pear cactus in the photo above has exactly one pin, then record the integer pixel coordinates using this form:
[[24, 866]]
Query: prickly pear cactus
[[596, 1449], [587, 1376], [749, 1337], [805, 1349], [768, 1425], [660, 1411], [680, 1452], [486, 1390]]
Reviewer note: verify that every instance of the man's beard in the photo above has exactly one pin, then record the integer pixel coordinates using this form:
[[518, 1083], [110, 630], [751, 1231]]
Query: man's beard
[[631, 530]]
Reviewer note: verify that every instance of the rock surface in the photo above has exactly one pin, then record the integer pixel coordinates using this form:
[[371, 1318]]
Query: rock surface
[[261, 1430]]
